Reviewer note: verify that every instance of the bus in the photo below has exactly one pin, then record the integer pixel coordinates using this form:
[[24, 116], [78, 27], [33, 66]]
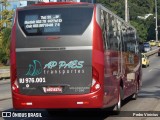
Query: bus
[[67, 55]]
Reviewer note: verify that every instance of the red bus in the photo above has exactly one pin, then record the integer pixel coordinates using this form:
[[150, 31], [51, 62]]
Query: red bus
[[68, 55]]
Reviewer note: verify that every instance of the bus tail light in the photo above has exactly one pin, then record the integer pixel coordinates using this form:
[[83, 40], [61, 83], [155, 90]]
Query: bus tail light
[[13, 71], [15, 87], [95, 85], [26, 103], [95, 80]]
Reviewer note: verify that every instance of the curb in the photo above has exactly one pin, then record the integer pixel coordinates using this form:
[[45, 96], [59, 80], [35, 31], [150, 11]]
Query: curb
[[4, 81], [4, 75]]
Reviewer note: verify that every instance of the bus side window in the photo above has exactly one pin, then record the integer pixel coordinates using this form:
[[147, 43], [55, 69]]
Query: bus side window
[[132, 42], [113, 31], [123, 38], [104, 28], [119, 37]]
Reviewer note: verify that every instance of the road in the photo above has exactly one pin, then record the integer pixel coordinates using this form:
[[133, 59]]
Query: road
[[148, 100], [5, 89]]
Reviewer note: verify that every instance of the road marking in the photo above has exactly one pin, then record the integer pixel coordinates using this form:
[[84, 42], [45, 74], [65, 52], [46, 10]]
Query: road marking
[[150, 70]]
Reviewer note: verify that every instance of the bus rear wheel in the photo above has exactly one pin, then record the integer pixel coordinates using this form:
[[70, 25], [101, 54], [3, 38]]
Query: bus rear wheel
[[135, 95], [117, 108]]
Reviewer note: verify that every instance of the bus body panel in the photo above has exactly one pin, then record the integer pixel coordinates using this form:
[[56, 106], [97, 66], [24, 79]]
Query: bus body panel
[[91, 100], [119, 61], [37, 56]]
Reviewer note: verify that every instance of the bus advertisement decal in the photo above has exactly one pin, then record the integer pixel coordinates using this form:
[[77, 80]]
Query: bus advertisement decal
[[50, 69]]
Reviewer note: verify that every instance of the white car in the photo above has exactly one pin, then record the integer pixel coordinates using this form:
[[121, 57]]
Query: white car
[[147, 49]]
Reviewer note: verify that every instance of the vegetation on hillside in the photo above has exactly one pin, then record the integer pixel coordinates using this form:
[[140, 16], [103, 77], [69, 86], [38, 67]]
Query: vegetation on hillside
[[145, 27]]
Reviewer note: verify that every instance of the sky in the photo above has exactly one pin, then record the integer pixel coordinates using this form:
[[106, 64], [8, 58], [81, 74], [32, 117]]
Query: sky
[[21, 3]]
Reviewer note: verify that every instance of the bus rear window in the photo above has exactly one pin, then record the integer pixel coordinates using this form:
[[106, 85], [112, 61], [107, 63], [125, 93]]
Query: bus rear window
[[55, 21]]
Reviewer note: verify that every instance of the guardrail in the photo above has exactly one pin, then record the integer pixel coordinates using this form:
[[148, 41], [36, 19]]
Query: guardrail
[[152, 52]]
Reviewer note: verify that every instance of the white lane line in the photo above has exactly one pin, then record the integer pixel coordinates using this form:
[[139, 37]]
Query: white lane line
[[150, 70]]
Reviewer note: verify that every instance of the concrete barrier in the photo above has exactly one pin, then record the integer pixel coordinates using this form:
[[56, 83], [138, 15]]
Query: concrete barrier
[[152, 52], [4, 75]]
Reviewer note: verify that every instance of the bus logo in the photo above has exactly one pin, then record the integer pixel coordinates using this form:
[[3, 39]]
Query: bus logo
[[34, 69]]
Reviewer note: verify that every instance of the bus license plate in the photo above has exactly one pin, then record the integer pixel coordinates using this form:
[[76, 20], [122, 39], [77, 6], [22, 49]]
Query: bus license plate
[[52, 89]]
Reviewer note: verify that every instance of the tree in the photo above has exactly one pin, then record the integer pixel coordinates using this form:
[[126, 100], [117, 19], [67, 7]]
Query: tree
[[6, 15], [145, 28], [5, 30], [4, 50]]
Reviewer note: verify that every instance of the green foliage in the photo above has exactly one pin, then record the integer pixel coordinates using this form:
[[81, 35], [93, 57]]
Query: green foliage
[[6, 15], [5, 31], [4, 49], [145, 28], [141, 30]]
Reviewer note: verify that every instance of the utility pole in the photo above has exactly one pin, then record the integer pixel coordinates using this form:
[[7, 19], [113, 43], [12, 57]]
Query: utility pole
[[1, 9], [128, 14], [156, 30], [126, 10]]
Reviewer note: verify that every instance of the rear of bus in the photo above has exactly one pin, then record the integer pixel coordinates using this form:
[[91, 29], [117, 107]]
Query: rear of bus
[[52, 62]]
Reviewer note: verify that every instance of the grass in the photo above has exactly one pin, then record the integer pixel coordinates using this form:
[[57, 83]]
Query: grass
[[6, 74], [4, 66]]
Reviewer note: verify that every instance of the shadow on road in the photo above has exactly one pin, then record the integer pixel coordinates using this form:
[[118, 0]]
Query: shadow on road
[[150, 94]]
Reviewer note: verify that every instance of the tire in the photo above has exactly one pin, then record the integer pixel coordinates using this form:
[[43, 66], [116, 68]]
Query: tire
[[117, 108], [135, 95], [145, 66]]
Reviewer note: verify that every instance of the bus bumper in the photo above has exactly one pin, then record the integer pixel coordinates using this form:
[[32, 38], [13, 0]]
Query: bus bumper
[[91, 100]]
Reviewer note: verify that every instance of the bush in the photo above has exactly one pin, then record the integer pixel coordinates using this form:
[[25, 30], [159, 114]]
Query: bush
[[5, 43]]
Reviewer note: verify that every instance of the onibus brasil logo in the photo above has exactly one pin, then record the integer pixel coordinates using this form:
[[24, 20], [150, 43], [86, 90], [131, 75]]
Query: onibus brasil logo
[[34, 69]]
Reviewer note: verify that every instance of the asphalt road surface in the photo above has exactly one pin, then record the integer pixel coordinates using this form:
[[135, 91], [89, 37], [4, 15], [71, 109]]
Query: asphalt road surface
[[148, 100]]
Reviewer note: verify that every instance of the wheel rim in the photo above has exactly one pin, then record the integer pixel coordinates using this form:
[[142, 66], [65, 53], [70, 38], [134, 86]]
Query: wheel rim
[[119, 103], [137, 87], [136, 92]]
